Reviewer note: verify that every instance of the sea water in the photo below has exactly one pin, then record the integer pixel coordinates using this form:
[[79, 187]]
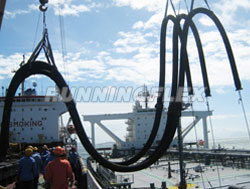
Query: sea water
[[230, 144]]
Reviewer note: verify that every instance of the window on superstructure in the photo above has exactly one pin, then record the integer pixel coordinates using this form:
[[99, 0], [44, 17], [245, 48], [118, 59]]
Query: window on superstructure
[[31, 128], [42, 128], [30, 109], [22, 109], [31, 138], [22, 138]]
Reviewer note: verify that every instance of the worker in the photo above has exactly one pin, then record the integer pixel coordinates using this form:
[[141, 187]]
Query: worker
[[58, 172], [45, 153], [51, 157], [27, 170], [73, 159], [38, 160]]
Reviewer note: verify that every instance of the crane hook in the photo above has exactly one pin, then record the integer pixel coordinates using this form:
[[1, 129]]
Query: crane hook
[[42, 6]]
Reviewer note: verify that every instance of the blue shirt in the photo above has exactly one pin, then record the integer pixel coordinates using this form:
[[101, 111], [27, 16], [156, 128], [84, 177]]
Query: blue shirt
[[27, 168], [73, 157], [48, 159], [38, 161], [44, 155]]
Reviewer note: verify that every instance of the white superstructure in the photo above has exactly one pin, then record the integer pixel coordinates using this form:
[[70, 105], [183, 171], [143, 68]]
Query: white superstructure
[[140, 122], [35, 119]]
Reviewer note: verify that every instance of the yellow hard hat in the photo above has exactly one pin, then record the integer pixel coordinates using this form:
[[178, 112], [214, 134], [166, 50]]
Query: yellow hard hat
[[35, 149], [28, 151], [31, 147], [45, 147]]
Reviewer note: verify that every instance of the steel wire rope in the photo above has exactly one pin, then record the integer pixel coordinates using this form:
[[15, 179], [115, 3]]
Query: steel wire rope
[[173, 7], [244, 113], [196, 138], [51, 71], [186, 6], [166, 9], [210, 121], [63, 41], [37, 25], [179, 7], [212, 130]]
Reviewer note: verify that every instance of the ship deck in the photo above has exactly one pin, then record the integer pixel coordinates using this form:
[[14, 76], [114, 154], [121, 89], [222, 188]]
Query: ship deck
[[211, 176], [208, 178]]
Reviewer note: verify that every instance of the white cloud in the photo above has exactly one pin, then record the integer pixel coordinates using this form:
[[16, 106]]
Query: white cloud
[[13, 14], [73, 10], [227, 10], [206, 21], [129, 42], [149, 5], [138, 25]]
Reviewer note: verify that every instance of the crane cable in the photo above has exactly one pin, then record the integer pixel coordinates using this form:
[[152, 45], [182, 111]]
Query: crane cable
[[37, 26], [63, 40], [196, 137], [244, 113], [212, 131]]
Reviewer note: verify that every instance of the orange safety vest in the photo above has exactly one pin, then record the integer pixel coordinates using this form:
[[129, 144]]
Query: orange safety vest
[[58, 172]]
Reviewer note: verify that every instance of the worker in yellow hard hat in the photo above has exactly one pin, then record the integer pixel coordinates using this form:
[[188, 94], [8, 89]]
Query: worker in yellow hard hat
[[45, 153], [27, 170]]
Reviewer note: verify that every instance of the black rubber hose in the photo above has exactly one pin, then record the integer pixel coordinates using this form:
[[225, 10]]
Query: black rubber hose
[[39, 67], [201, 56], [223, 34], [159, 104]]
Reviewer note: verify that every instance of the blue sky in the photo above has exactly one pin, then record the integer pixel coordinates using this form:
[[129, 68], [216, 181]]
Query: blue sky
[[115, 43]]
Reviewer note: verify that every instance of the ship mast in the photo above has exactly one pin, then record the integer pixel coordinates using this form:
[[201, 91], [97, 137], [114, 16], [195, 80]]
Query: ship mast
[[145, 94]]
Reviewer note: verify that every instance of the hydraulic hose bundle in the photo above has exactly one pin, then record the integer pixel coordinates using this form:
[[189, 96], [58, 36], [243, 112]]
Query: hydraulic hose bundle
[[179, 72]]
